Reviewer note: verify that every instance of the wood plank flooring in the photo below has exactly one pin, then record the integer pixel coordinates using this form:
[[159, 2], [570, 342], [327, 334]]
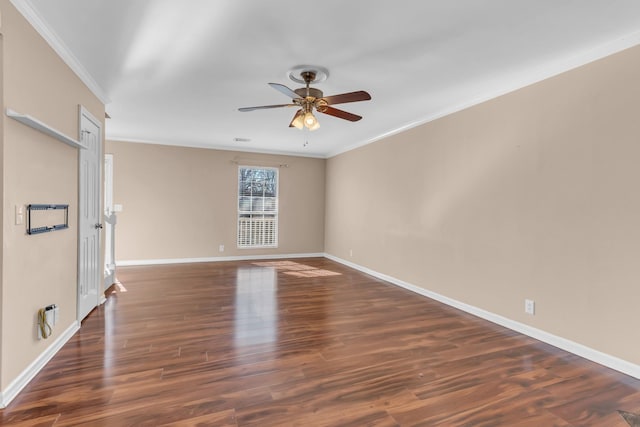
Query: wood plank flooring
[[306, 342]]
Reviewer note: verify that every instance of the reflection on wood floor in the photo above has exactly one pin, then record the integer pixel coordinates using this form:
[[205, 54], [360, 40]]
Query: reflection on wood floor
[[306, 343]]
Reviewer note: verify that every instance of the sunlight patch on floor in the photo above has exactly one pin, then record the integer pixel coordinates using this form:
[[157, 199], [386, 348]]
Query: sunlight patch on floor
[[296, 269]]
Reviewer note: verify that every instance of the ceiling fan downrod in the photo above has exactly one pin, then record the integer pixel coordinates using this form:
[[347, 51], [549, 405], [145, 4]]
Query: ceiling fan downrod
[[308, 77]]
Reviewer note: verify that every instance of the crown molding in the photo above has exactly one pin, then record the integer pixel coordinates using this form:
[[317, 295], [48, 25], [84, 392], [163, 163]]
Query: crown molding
[[214, 146], [543, 72], [29, 12]]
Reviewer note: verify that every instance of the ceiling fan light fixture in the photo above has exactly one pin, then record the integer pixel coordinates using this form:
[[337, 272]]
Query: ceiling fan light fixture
[[298, 121], [310, 121], [314, 127]]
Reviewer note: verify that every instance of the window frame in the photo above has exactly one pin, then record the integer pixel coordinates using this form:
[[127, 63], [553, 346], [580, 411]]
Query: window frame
[[241, 238]]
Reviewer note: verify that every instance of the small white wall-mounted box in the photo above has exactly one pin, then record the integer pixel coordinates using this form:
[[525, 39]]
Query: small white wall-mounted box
[[19, 214]]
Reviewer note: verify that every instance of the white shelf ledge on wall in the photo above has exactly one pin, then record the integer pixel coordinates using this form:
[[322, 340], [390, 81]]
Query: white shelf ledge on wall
[[36, 124]]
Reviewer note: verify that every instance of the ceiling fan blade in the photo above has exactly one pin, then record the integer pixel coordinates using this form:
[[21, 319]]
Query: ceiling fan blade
[[341, 114], [343, 98], [264, 107], [285, 90]]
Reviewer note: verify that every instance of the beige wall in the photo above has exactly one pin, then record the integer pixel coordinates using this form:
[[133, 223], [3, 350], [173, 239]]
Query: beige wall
[[181, 203], [530, 195], [41, 269]]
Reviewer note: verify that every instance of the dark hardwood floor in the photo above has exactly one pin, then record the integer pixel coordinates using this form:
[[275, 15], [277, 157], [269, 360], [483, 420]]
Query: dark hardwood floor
[[306, 342]]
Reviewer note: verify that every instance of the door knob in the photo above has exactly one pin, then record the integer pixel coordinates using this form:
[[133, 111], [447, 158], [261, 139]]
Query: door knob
[[98, 225]]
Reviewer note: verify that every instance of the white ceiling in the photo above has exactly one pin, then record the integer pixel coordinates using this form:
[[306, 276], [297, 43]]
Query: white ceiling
[[175, 72]]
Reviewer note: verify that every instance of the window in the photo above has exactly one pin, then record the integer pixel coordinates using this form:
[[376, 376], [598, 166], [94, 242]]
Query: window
[[257, 207]]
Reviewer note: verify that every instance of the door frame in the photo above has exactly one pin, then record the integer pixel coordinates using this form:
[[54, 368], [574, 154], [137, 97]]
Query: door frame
[[84, 114], [109, 223]]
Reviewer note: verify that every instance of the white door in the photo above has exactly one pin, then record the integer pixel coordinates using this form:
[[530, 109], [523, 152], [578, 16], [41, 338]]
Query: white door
[[89, 215]]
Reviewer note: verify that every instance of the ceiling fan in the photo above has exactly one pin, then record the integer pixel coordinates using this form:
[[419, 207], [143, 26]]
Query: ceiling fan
[[309, 99]]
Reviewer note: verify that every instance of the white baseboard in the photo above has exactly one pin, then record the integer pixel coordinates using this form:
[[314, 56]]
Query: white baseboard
[[126, 263], [578, 349], [8, 394]]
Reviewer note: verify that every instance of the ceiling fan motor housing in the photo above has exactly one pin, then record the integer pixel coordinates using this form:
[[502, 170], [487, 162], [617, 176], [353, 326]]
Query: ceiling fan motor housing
[[313, 92]]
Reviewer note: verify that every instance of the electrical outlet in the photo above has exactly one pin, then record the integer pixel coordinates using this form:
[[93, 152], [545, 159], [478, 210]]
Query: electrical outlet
[[529, 306], [221, 248], [47, 318], [50, 317], [350, 252], [51, 311]]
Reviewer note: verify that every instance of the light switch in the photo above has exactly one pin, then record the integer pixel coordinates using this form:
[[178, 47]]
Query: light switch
[[19, 214], [117, 208]]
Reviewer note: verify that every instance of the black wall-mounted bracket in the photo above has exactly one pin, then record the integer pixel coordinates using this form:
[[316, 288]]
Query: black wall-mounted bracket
[[46, 228]]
